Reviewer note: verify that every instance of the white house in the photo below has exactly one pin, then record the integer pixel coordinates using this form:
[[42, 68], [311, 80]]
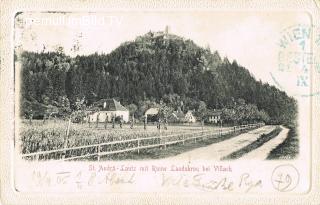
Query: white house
[[214, 116], [189, 117], [109, 108]]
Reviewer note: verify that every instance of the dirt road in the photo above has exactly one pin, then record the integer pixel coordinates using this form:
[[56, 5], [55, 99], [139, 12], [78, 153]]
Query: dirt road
[[218, 150], [262, 152]]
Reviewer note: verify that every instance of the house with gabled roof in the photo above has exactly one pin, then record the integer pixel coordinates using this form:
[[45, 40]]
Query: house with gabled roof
[[189, 117], [108, 108], [214, 116]]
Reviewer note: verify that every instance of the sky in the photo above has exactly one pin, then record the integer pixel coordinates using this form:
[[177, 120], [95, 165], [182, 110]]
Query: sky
[[250, 38]]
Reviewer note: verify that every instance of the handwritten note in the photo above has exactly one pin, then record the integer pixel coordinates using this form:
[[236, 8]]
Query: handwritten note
[[206, 178], [205, 183]]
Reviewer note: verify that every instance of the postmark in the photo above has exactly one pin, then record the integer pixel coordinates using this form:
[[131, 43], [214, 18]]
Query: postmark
[[298, 60]]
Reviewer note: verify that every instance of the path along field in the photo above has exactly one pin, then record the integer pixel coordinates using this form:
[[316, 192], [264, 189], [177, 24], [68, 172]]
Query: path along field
[[264, 151], [220, 150]]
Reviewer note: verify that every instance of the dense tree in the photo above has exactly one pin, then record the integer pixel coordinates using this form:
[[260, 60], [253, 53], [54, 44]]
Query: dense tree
[[132, 109], [202, 110], [151, 68]]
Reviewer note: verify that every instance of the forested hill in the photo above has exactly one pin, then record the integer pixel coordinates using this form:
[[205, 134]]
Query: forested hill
[[152, 68]]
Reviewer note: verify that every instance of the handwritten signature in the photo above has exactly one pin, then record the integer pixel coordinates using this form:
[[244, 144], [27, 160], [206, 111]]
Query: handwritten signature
[[202, 182]]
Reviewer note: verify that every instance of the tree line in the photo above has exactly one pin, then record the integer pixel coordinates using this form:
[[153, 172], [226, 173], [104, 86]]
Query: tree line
[[154, 69]]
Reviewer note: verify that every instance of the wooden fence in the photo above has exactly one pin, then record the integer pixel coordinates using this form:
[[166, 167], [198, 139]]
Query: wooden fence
[[137, 144]]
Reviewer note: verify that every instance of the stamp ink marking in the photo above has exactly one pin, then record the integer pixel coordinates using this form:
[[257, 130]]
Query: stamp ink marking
[[296, 58]]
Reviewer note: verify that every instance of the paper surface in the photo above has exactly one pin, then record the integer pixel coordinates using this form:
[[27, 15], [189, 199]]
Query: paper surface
[[118, 102]]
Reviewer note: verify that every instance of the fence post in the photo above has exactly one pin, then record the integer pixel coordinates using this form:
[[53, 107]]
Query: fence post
[[183, 139], [202, 123], [164, 139], [98, 152], [66, 139], [38, 156], [138, 145]]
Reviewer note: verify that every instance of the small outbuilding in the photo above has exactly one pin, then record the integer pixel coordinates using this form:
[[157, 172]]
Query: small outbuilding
[[152, 114]]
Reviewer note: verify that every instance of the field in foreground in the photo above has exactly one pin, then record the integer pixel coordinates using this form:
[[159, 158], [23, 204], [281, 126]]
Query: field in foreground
[[53, 135], [151, 143]]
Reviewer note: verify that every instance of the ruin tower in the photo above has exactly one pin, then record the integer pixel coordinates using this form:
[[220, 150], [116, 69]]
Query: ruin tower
[[167, 29]]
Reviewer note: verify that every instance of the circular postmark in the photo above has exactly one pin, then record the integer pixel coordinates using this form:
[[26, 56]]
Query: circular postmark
[[298, 60], [285, 178]]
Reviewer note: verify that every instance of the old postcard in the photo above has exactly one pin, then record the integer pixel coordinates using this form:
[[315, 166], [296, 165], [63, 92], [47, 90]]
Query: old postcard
[[183, 103]]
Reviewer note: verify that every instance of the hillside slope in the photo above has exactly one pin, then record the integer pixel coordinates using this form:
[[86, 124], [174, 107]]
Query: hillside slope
[[154, 67]]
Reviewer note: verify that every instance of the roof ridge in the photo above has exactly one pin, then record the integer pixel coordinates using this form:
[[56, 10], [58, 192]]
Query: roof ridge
[[112, 102]]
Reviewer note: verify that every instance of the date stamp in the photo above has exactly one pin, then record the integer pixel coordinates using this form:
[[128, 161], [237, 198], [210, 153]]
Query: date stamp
[[298, 60]]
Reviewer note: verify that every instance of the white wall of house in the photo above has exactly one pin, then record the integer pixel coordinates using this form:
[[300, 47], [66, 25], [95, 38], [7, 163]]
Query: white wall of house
[[104, 114], [124, 114], [214, 119], [189, 117]]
